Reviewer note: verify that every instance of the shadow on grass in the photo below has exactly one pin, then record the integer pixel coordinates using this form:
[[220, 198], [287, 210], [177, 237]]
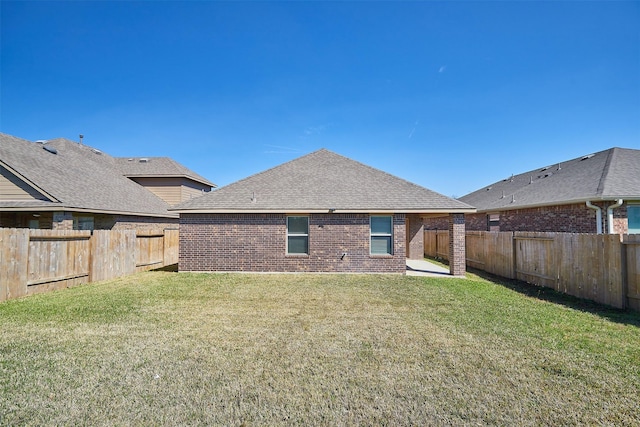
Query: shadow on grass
[[173, 268], [628, 317]]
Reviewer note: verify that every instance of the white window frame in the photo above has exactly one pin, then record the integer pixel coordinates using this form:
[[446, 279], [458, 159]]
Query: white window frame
[[372, 235], [297, 235]]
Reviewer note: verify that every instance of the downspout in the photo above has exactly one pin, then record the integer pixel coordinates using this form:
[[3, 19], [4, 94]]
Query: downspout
[[598, 210], [610, 209]]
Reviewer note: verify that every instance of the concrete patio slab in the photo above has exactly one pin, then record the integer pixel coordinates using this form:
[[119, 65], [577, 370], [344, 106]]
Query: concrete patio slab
[[419, 267]]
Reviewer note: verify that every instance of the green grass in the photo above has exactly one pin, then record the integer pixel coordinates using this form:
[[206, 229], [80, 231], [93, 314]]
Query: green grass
[[232, 349]]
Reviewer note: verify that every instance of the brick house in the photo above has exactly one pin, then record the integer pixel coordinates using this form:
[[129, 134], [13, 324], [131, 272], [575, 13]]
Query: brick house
[[61, 184], [595, 193], [319, 213]]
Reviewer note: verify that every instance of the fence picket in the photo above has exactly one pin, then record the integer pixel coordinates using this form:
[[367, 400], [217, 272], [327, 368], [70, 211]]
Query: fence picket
[[588, 266], [41, 260]]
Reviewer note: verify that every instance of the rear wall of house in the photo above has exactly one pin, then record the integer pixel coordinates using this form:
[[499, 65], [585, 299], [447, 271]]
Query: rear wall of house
[[257, 242]]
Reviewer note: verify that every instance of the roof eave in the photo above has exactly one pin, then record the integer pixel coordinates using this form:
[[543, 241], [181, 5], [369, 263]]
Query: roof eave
[[309, 211], [150, 175], [58, 208], [558, 203]]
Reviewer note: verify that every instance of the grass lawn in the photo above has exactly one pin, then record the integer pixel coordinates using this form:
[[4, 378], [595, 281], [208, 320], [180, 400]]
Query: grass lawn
[[230, 349]]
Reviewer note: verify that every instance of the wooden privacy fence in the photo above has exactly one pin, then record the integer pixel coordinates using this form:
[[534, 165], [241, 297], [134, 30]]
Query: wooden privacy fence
[[601, 267], [34, 261]]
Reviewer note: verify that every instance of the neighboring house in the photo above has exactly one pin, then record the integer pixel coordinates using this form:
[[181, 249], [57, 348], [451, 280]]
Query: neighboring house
[[594, 193], [319, 213], [164, 177], [61, 184]]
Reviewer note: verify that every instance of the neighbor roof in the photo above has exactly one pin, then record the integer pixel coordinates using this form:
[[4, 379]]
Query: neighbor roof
[[157, 167], [75, 177], [606, 175], [319, 182]]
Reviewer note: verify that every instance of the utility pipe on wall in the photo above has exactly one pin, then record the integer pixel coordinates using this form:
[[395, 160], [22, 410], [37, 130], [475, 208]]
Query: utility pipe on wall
[[610, 209], [598, 210]]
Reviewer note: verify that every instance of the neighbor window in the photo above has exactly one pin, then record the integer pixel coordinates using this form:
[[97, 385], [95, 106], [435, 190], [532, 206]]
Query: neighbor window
[[493, 222], [381, 235], [83, 223], [297, 235], [633, 216]]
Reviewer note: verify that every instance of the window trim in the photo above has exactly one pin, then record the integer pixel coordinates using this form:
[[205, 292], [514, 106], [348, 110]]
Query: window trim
[[629, 206], [372, 235], [297, 235]]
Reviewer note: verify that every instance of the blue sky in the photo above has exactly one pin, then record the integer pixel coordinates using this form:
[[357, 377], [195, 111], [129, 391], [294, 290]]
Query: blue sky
[[449, 95]]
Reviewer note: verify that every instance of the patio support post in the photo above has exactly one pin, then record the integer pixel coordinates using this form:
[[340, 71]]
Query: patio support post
[[457, 256], [415, 237]]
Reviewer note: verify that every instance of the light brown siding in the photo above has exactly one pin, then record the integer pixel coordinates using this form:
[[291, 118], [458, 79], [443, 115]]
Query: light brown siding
[[168, 189], [13, 188], [172, 190], [191, 189]]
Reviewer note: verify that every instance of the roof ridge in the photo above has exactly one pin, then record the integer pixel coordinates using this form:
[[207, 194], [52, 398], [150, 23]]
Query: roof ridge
[[605, 171]]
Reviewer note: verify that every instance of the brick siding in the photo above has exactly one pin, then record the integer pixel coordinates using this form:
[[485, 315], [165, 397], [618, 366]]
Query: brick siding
[[257, 243], [457, 255], [572, 218], [129, 222], [415, 249]]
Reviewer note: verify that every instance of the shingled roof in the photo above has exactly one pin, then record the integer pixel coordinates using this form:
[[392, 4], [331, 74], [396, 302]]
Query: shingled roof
[[72, 176], [606, 175], [320, 182], [133, 167]]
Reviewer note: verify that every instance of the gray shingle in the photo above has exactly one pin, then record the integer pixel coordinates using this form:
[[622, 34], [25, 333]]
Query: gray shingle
[[157, 167], [321, 181], [608, 174], [79, 177]]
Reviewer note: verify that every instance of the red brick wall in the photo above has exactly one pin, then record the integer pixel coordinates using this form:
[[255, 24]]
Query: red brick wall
[[415, 238], [573, 218], [436, 223], [257, 242], [127, 222]]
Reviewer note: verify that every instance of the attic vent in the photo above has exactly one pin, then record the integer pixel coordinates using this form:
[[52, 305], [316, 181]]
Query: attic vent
[[41, 141], [50, 149], [588, 156], [488, 188], [544, 169], [546, 175], [95, 150], [143, 160]]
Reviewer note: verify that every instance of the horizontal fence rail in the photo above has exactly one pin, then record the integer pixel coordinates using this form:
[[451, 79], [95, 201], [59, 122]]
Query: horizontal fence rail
[[601, 267], [34, 261]]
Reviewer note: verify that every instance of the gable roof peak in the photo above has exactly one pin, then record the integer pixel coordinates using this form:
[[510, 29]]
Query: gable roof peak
[[320, 181]]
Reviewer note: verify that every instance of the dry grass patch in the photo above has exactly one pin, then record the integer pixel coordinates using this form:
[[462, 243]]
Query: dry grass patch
[[164, 348]]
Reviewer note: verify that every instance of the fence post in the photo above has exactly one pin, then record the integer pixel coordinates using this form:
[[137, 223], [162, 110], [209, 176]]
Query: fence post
[[14, 248]]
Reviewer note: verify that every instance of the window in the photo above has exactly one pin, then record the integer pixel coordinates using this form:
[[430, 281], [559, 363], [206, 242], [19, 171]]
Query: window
[[493, 222], [633, 215], [381, 235], [297, 235], [83, 223]]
